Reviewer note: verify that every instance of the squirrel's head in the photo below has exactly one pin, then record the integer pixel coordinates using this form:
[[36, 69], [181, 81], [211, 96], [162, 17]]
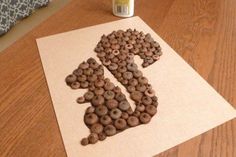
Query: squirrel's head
[[85, 75]]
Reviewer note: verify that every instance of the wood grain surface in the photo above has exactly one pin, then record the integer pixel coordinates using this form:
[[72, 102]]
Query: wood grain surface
[[203, 32]]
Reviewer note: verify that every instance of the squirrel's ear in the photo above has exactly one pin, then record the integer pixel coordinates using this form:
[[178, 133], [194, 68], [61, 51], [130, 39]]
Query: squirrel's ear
[[80, 100], [71, 80]]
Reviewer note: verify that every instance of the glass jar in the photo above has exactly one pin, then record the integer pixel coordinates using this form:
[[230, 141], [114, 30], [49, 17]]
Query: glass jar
[[123, 8]]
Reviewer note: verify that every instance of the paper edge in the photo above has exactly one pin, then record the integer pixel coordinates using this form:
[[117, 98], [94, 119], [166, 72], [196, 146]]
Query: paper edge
[[70, 31], [51, 101], [199, 134]]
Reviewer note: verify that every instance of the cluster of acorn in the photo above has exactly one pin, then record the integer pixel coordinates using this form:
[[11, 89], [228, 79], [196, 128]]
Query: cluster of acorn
[[116, 51], [129, 41], [110, 112]]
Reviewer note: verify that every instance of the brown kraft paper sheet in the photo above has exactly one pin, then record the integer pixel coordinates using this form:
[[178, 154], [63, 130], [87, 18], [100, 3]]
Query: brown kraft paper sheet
[[188, 105]]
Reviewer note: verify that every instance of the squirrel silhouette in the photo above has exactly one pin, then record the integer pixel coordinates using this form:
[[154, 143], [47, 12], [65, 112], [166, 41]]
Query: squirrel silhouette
[[110, 112]]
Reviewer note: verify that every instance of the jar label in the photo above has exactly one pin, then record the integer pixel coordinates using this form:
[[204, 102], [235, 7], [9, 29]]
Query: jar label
[[122, 7]]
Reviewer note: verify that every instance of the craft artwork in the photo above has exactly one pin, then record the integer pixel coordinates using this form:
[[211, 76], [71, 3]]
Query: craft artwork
[[187, 105], [110, 112]]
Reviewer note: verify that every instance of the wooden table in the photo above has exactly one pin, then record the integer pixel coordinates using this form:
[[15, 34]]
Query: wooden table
[[202, 32]]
